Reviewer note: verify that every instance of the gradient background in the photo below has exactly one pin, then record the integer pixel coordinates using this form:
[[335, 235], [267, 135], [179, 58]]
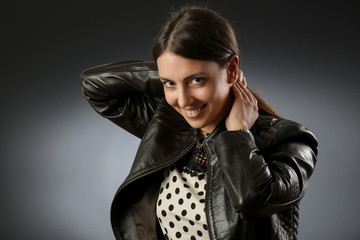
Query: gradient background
[[61, 163]]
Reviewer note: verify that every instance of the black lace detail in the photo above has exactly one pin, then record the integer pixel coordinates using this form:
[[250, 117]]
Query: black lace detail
[[198, 160], [197, 163]]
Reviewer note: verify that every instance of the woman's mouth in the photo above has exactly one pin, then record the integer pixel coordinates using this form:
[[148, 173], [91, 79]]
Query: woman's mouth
[[194, 112]]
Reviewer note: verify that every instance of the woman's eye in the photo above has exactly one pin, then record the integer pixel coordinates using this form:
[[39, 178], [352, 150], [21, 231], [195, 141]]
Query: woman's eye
[[197, 80], [168, 84]]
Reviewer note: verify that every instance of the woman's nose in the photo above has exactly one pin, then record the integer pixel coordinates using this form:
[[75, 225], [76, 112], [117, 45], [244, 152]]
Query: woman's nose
[[184, 97]]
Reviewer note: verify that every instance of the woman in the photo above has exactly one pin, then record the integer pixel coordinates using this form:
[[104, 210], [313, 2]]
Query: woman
[[215, 161]]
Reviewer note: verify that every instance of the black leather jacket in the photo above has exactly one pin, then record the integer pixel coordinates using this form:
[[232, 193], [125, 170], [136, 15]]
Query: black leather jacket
[[256, 178]]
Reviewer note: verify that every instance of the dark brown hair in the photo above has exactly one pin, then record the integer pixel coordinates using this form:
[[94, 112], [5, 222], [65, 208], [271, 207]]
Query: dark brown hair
[[201, 34]]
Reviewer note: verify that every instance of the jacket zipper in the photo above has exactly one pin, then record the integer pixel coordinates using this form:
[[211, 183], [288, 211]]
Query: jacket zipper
[[207, 197]]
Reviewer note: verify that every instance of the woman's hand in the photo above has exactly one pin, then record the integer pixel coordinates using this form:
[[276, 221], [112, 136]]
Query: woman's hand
[[244, 111]]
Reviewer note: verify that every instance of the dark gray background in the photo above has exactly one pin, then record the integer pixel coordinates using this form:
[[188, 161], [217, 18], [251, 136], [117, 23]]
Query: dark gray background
[[61, 163]]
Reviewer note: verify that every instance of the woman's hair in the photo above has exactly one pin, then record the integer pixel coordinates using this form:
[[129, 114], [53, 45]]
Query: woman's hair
[[201, 34], [197, 33]]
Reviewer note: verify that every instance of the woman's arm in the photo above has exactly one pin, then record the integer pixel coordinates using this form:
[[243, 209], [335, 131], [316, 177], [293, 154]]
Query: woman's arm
[[261, 183], [127, 93]]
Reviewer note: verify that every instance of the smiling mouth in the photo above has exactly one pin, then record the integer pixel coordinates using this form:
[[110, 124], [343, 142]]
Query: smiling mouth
[[194, 113]]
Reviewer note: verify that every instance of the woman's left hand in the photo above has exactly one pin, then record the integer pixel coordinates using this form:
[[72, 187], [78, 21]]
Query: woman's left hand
[[244, 111]]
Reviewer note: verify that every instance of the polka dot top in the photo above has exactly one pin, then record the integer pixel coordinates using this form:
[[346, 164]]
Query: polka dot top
[[181, 205]]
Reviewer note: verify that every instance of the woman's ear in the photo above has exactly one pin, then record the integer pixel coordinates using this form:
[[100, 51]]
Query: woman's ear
[[233, 69]]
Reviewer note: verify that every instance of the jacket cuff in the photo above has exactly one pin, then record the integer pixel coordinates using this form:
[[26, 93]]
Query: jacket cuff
[[242, 137]]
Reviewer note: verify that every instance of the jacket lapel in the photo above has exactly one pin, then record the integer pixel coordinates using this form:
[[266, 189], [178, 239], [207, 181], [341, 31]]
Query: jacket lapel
[[168, 137]]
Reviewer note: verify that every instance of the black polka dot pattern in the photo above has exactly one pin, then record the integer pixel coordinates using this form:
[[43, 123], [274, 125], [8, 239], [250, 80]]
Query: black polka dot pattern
[[181, 205]]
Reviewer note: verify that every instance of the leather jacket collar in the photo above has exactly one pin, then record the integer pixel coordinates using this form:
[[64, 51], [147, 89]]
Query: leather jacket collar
[[167, 139]]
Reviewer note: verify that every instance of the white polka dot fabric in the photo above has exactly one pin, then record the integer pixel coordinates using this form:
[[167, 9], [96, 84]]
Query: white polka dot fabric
[[181, 205]]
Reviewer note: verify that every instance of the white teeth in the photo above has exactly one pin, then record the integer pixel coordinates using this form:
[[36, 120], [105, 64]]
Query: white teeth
[[192, 112]]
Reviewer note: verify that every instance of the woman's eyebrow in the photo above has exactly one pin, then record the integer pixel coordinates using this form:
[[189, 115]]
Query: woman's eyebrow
[[186, 78], [194, 75]]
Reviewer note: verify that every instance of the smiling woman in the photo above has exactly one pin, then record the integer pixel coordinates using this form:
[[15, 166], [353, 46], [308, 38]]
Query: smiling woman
[[199, 90], [215, 161]]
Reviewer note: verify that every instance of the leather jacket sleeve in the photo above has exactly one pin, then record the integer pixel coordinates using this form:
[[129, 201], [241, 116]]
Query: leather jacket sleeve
[[262, 182], [127, 93]]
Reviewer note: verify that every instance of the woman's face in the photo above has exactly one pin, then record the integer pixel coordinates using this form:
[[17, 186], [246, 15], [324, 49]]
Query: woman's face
[[198, 90]]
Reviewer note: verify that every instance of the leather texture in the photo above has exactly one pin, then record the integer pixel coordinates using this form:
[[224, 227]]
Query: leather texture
[[256, 178]]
